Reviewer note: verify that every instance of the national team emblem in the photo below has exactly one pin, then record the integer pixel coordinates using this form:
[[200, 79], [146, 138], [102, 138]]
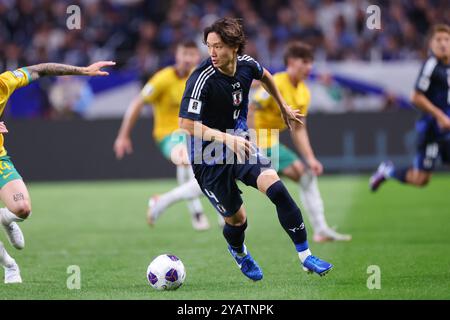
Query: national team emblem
[[237, 97]]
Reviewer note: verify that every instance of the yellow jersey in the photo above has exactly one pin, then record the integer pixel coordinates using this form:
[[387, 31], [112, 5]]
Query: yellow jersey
[[164, 92], [9, 82], [268, 115]]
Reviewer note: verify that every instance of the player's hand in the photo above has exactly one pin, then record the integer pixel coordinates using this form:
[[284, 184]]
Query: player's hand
[[315, 166], [122, 146], [3, 128], [95, 68], [444, 122], [291, 115], [240, 146]]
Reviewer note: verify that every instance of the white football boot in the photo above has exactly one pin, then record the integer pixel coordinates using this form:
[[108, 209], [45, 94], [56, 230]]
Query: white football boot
[[12, 273], [15, 235], [153, 210], [329, 234], [200, 222]]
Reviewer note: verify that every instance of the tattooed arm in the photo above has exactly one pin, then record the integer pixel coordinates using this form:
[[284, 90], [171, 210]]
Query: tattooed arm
[[57, 69]]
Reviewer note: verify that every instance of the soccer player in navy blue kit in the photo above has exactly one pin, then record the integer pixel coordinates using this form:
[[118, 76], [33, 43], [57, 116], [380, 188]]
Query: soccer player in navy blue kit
[[432, 97], [214, 112]]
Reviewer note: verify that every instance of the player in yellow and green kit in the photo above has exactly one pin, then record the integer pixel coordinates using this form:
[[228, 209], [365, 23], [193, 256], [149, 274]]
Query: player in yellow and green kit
[[298, 59], [164, 92], [13, 191]]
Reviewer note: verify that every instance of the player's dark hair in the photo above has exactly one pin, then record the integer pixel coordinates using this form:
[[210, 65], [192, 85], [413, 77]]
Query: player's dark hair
[[188, 44], [298, 49], [230, 31]]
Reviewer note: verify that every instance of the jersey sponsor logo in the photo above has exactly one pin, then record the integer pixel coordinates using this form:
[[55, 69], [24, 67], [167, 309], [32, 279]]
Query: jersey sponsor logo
[[6, 176], [17, 74], [237, 97], [195, 106]]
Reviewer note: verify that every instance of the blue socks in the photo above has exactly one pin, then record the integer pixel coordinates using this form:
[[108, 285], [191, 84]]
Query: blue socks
[[399, 174], [289, 214], [235, 236]]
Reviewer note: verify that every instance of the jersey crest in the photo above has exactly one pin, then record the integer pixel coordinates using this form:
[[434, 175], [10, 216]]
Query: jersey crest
[[237, 97]]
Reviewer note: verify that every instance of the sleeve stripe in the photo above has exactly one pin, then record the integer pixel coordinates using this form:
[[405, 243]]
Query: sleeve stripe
[[424, 79], [429, 67], [200, 78], [197, 93], [246, 58]]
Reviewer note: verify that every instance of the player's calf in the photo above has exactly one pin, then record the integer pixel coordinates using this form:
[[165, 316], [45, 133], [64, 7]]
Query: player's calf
[[16, 198], [290, 218]]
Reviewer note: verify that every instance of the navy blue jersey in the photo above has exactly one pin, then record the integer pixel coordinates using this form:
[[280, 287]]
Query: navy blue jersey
[[219, 101], [434, 82]]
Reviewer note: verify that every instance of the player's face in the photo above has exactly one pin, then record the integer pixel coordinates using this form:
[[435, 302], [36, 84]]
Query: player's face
[[440, 45], [301, 67], [221, 54], [187, 58]]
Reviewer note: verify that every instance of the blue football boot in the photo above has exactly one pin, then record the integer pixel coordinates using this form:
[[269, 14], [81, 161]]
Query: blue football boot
[[247, 264], [314, 264]]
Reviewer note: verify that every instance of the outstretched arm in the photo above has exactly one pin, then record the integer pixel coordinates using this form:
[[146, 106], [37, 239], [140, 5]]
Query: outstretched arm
[[123, 144], [300, 138], [58, 69]]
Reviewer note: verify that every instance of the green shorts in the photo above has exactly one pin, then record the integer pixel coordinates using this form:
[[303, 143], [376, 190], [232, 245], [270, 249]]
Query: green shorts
[[284, 159], [7, 171], [169, 142]]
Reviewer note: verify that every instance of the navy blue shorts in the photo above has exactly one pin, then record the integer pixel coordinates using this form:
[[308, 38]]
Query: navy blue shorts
[[218, 183], [429, 150]]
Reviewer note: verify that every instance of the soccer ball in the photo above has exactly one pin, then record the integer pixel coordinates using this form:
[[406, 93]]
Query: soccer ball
[[166, 272]]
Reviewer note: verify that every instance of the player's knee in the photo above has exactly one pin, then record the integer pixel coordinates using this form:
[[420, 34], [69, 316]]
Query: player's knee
[[266, 179], [238, 219], [423, 181], [235, 222], [22, 209]]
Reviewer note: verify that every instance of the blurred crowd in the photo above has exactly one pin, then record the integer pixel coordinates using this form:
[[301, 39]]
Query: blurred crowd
[[141, 34]]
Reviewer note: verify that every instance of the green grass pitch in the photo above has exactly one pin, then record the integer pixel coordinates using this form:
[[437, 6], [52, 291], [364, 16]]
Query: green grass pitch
[[100, 227]]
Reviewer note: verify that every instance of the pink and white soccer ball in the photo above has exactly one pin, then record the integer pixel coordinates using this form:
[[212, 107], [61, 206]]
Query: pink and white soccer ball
[[166, 272]]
